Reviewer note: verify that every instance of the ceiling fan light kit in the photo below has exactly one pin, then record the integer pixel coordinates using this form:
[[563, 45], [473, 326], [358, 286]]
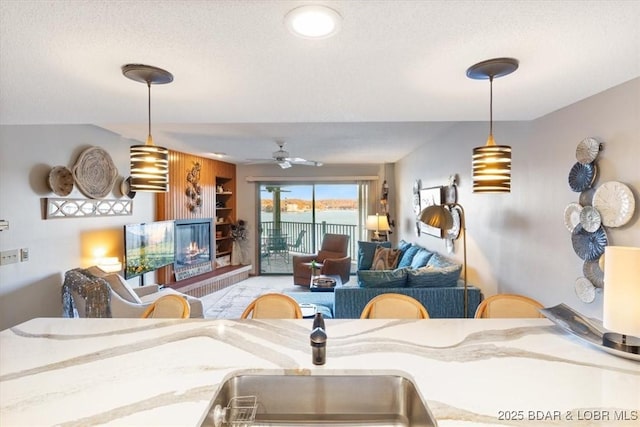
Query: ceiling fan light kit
[[149, 163], [492, 162]]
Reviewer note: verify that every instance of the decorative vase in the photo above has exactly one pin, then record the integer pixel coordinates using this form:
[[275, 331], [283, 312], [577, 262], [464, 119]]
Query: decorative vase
[[236, 255], [314, 275]]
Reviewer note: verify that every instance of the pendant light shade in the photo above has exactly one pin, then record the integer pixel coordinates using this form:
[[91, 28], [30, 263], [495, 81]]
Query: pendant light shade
[[149, 163], [492, 162]]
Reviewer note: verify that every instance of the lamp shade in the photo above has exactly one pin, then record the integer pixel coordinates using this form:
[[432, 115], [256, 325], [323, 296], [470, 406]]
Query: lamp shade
[[378, 223], [149, 166], [109, 264], [491, 168], [437, 216], [621, 308]]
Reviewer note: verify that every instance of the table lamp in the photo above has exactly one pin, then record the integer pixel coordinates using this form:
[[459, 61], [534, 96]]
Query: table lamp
[[621, 307], [377, 223]]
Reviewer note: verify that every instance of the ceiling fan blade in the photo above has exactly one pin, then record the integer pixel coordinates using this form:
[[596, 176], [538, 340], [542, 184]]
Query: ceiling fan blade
[[300, 161], [259, 161], [284, 164]]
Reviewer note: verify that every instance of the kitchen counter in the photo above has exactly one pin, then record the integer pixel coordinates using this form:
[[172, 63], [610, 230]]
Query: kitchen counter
[[78, 372]]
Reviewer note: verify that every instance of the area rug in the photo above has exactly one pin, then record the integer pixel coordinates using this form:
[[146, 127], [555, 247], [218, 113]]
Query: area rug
[[230, 302]]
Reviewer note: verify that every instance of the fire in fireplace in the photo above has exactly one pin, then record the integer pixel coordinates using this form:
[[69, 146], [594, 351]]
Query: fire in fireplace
[[193, 250]]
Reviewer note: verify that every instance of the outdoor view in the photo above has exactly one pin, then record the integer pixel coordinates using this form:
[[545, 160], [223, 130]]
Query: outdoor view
[[293, 218]]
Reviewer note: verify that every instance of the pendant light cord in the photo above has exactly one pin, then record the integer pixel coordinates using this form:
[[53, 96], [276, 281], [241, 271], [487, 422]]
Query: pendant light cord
[[149, 104], [490, 105]]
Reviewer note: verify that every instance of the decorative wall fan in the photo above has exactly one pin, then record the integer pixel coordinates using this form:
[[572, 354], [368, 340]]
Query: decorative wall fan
[[281, 157]]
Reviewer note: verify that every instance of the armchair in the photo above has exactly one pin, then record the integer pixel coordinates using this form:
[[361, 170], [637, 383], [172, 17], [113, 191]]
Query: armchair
[[92, 293], [332, 256]]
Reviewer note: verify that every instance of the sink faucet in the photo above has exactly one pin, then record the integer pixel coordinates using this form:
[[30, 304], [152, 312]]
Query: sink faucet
[[318, 340]]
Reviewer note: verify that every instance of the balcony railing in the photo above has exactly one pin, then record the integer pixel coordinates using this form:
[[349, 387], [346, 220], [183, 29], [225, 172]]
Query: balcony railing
[[312, 235]]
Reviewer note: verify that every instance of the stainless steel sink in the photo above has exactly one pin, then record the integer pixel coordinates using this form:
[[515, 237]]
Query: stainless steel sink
[[314, 400]]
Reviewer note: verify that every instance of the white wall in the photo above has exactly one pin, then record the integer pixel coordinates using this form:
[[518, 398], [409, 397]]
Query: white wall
[[27, 154], [517, 242]]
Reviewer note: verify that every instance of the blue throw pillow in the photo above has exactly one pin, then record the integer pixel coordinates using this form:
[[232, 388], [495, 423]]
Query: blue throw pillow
[[403, 245], [439, 261], [430, 277], [382, 278], [366, 250], [407, 256], [421, 258]]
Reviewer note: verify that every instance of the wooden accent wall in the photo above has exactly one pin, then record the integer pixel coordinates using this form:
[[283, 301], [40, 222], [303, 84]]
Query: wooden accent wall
[[174, 204]]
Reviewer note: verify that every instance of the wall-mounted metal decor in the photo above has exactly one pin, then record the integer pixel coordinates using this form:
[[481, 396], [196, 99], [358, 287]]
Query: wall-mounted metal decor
[[194, 190], [74, 208], [610, 205]]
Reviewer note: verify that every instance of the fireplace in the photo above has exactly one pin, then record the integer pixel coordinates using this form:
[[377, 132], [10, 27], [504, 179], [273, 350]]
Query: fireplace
[[193, 248]]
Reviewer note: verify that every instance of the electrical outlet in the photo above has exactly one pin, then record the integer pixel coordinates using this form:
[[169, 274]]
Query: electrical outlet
[[9, 257], [24, 254]]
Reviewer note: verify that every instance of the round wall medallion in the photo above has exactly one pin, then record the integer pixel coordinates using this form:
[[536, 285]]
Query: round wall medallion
[[593, 272], [582, 177], [572, 216], [61, 180], [615, 202], [588, 246], [590, 219], [125, 188], [95, 173], [587, 150], [585, 290]]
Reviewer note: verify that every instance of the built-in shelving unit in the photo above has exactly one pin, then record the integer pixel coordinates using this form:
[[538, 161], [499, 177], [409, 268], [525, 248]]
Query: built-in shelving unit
[[225, 217], [218, 200]]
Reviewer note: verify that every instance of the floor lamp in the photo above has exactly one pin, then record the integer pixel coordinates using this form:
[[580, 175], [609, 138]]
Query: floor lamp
[[440, 217]]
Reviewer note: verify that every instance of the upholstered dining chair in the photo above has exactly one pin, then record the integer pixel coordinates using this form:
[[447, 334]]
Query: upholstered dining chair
[[394, 306], [332, 257], [508, 306], [168, 307], [272, 306]]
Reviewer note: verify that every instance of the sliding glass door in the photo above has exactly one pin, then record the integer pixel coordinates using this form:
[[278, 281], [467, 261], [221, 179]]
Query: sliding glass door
[[295, 217]]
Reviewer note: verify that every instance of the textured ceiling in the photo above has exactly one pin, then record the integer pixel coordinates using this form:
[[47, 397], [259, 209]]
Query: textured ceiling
[[242, 80]]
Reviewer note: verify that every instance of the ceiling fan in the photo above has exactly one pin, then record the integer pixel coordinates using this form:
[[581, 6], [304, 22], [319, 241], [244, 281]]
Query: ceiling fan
[[281, 157]]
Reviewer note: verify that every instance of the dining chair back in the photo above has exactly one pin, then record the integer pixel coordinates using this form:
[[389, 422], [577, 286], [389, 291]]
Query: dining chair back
[[272, 306], [168, 306], [394, 306], [508, 306]]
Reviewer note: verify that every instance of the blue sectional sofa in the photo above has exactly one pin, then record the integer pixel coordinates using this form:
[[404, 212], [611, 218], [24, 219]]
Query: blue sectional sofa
[[429, 277]]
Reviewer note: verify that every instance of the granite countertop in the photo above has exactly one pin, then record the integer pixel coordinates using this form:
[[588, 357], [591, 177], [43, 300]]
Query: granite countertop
[[78, 372]]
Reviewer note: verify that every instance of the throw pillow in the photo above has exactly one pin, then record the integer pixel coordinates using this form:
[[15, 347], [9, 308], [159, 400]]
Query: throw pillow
[[439, 261], [385, 258], [404, 245], [122, 288], [117, 284], [421, 258], [430, 277], [407, 256], [382, 279], [366, 250]]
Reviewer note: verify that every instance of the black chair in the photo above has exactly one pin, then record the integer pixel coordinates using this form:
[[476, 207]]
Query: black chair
[[298, 243]]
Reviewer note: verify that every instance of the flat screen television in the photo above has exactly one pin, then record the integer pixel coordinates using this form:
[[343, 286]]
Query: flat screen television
[[147, 247]]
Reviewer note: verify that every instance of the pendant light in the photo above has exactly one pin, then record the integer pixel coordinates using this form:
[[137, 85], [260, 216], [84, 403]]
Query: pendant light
[[492, 162], [149, 162]]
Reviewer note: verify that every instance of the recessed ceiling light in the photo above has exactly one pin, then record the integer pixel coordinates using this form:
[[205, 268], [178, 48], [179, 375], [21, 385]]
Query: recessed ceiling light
[[313, 21]]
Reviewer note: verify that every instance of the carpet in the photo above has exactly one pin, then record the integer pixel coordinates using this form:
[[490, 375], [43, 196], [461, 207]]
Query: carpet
[[230, 302]]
